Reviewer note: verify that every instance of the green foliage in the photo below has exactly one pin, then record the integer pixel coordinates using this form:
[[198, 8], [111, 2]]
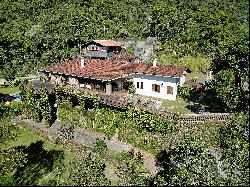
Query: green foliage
[[184, 91], [231, 69], [59, 94], [131, 89], [130, 49], [235, 150], [104, 121], [130, 175], [67, 113], [190, 163], [40, 39], [81, 99], [130, 172], [95, 100], [14, 109], [193, 27], [223, 87], [6, 130], [11, 160], [44, 105], [87, 172], [65, 133], [144, 120], [38, 104], [31, 103], [100, 146]]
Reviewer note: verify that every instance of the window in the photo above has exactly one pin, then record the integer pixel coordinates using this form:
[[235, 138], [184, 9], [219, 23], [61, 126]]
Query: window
[[93, 48], [156, 88], [170, 90], [141, 85]]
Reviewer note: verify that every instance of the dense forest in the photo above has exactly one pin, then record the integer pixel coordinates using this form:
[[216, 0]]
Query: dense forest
[[39, 32]]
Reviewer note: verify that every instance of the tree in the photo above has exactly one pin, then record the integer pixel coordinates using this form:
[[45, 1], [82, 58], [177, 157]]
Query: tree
[[11, 160], [190, 163], [129, 172], [235, 150], [87, 172]]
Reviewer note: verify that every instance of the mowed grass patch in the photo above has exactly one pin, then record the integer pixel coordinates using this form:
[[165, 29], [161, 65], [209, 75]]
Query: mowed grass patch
[[10, 89], [179, 106], [47, 160]]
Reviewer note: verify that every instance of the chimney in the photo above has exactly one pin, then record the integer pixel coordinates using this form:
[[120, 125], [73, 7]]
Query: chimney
[[154, 62], [82, 64]]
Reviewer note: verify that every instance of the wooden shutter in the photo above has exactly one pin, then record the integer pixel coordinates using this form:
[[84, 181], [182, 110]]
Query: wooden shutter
[[138, 86], [153, 87], [141, 85], [170, 90], [158, 88]]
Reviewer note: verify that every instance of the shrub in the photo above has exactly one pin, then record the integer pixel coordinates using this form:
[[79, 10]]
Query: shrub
[[65, 132], [17, 83], [100, 146], [184, 91], [131, 89]]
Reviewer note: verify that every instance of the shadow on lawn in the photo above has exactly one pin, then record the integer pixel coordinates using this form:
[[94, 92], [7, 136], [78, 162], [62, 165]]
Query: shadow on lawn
[[204, 100], [6, 97], [40, 163]]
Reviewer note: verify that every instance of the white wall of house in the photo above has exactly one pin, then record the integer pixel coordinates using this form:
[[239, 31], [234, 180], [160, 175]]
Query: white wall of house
[[163, 82], [182, 79], [56, 79], [73, 81]]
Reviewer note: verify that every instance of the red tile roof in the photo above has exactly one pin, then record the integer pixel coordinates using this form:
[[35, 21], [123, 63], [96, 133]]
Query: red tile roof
[[109, 70], [108, 42]]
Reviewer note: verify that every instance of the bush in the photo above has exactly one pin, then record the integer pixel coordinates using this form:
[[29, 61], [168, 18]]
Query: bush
[[17, 83], [184, 91], [65, 132], [100, 146], [14, 109], [131, 89]]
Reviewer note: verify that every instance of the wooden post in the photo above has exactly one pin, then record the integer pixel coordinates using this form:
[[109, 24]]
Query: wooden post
[[108, 88]]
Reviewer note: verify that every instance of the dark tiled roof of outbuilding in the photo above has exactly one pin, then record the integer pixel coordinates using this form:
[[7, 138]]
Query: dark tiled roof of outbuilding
[[110, 70]]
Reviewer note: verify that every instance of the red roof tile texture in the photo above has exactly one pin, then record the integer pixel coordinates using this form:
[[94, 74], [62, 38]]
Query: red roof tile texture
[[110, 70], [108, 42]]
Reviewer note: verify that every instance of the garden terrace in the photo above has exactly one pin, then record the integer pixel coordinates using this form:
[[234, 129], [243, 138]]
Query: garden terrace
[[120, 100]]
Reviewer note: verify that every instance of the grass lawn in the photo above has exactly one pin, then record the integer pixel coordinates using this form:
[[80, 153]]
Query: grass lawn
[[178, 106], [51, 150], [9, 89], [51, 160], [197, 75]]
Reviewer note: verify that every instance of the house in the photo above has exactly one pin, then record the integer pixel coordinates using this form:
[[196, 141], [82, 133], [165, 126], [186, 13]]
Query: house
[[101, 49], [109, 76], [106, 49]]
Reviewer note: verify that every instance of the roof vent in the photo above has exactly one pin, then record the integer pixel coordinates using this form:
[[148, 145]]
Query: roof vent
[[82, 62], [154, 62]]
